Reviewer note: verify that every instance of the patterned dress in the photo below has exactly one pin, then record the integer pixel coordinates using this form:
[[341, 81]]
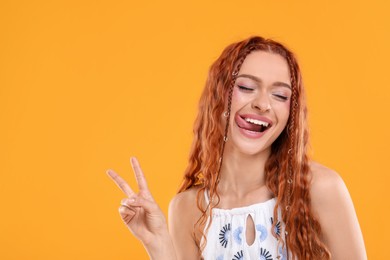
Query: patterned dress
[[226, 236]]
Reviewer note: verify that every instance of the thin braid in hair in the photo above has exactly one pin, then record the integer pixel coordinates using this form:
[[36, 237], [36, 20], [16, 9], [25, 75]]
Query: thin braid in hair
[[291, 129], [229, 106], [287, 171]]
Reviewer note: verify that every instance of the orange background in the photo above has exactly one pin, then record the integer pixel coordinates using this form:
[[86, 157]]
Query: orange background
[[84, 85]]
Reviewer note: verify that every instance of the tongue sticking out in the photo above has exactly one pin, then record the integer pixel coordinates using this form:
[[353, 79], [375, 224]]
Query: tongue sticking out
[[251, 124], [254, 127]]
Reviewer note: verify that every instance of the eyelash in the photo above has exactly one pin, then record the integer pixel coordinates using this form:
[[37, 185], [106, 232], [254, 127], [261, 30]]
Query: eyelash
[[284, 98], [244, 88], [281, 97]]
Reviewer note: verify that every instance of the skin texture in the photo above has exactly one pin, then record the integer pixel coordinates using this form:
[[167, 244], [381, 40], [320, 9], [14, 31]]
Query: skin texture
[[333, 206], [258, 87], [244, 158], [143, 217], [331, 202], [265, 93]]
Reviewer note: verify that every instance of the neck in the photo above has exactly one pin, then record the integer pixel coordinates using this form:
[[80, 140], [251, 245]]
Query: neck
[[242, 173]]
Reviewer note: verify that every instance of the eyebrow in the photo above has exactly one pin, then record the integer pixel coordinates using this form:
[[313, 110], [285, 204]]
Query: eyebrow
[[258, 80]]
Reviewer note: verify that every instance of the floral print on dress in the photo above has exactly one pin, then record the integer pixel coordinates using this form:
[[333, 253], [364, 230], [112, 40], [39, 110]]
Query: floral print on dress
[[237, 235], [277, 228], [220, 257], [239, 256], [263, 232], [224, 235], [282, 253], [265, 255]]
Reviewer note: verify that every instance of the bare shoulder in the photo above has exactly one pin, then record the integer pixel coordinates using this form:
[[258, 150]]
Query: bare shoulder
[[328, 190], [183, 214], [333, 207], [184, 202], [325, 181]]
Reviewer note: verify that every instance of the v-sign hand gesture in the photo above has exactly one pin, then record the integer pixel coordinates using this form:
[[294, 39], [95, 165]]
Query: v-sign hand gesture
[[139, 211]]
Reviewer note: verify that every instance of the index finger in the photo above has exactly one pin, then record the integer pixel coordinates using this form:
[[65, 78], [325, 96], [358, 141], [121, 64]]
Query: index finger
[[122, 184], [139, 175]]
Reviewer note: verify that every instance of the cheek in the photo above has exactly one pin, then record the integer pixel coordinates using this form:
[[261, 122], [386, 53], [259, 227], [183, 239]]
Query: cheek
[[283, 111], [238, 98], [286, 109], [286, 112], [235, 95]]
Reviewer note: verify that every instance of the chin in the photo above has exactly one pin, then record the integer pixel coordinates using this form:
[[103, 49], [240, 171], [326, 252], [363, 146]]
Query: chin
[[248, 149]]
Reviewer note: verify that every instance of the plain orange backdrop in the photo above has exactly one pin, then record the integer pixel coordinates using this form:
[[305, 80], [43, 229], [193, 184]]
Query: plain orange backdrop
[[84, 85]]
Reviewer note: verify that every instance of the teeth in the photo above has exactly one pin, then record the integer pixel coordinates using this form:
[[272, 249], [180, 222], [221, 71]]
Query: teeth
[[256, 122]]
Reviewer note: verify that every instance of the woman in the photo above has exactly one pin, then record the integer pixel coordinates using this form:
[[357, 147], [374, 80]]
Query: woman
[[249, 191]]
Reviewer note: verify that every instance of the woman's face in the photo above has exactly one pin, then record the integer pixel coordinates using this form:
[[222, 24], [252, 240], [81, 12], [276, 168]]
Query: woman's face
[[260, 103]]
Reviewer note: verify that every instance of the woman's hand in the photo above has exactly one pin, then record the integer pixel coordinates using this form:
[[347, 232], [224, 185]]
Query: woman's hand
[[143, 216]]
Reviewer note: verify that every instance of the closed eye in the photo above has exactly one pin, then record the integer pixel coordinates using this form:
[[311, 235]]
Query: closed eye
[[281, 97], [244, 88]]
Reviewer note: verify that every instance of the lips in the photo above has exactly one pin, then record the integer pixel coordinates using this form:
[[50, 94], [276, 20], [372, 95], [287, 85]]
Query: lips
[[252, 125]]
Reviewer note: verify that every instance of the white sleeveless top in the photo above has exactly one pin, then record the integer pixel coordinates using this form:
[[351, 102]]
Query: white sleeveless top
[[226, 236]]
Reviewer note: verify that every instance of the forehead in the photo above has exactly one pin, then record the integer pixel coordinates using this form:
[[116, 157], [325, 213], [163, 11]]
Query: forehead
[[267, 66]]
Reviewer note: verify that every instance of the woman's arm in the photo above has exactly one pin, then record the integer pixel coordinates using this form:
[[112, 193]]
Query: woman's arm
[[333, 206], [183, 214]]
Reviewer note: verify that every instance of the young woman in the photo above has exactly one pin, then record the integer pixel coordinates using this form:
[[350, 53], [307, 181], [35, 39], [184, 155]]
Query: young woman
[[249, 191]]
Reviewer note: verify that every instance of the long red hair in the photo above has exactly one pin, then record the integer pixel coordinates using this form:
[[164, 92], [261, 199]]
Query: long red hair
[[286, 171]]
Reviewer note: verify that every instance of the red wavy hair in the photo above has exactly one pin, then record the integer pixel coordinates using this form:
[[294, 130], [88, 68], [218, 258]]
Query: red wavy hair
[[286, 171]]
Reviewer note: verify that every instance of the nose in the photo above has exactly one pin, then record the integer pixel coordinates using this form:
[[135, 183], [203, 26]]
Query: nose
[[261, 103]]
